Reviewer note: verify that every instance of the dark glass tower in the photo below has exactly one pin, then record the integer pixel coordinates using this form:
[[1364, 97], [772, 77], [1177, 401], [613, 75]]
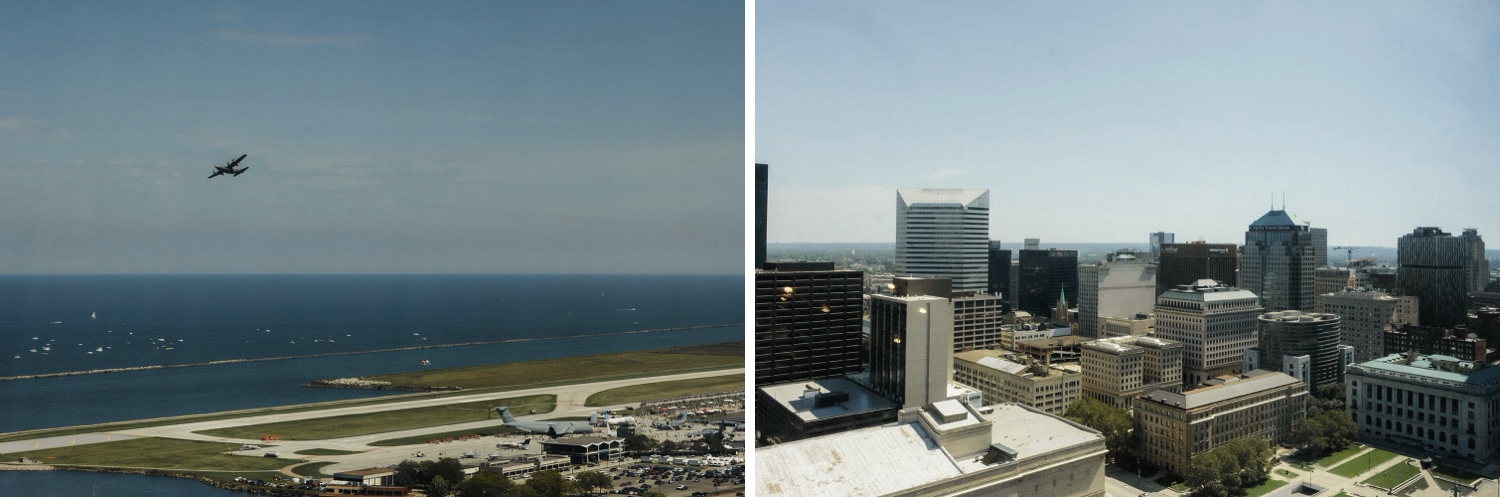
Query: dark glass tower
[[1044, 275], [1441, 270], [808, 319], [1185, 263], [1294, 333], [761, 174], [1000, 273]]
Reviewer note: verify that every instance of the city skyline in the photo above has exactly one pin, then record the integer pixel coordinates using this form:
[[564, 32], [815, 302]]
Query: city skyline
[[1111, 124], [383, 137]]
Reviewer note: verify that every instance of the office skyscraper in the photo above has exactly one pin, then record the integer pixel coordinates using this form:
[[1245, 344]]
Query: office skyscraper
[[944, 233], [1277, 264], [1158, 240], [1215, 324], [911, 348], [1320, 246], [761, 174], [1441, 270], [808, 322], [999, 280], [1366, 316], [1044, 275], [1185, 263], [1121, 287]]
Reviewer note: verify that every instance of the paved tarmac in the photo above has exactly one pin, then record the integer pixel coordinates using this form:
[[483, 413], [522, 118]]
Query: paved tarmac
[[570, 402]]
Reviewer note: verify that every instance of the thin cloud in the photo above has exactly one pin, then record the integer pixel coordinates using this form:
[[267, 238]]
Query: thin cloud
[[17, 123], [288, 40], [945, 173]]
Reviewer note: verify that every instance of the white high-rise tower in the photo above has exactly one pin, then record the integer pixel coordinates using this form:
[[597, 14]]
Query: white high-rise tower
[[944, 233]]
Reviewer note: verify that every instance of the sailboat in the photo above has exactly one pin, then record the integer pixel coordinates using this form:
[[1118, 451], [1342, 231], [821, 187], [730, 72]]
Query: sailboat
[[93, 315]]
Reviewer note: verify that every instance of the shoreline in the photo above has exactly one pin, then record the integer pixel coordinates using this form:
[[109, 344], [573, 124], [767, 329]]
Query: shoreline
[[354, 352], [233, 487]]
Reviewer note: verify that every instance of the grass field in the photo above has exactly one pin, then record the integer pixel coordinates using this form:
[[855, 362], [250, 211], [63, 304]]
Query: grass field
[[728, 355], [1264, 488], [1362, 463], [159, 453], [1328, 460], [423, 438], [1454, 474], [1286, 473], [324, 452], [1393, 476], [311, 469], [667, 389], [594, 367], [380, 422]]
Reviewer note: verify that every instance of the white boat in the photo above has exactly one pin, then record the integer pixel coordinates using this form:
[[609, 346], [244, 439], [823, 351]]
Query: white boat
[[33, 350], [100, 349], [18, 357], [93, 315]]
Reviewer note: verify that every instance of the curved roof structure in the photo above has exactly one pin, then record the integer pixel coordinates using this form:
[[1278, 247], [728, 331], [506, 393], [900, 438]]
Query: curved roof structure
[[1275, 218]]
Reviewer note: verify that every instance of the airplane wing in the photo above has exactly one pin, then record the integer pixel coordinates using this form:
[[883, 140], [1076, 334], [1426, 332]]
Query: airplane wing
[[216, 173], [236, 162]]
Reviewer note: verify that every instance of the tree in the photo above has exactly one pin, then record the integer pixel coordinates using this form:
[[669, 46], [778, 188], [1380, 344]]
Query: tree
[[485, 484], [1229, 468], [653, 493], [549, 483], [1327, 432], [439, 487], [448, 468], [590, 481], [669, 446], [1113, 422], [408, 473], [640, 443]]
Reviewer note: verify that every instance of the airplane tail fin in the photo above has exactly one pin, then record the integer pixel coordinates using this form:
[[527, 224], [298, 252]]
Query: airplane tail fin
[[593, 419], [505, 416], [526, 442]]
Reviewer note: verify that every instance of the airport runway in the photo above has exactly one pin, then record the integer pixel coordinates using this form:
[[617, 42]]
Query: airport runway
[[570, 402]]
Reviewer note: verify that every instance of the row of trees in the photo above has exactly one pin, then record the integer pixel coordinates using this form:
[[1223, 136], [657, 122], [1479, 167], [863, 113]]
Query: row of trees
[[1115, 423], [444, 478], [1323, 434], [1227, 469]]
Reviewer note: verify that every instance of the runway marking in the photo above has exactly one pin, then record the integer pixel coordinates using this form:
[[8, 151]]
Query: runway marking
[[38, 444]]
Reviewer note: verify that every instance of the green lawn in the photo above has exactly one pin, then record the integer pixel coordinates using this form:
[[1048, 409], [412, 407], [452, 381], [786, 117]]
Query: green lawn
[[1454, 474], [1264, 488], [594, 367], [323, 452], [423, 438], [1171, 481], [1362, 463], [667, 389], [386, 421], [311, 469], [1339, 456], [1287, 474], [1393, 476], [159, 453]]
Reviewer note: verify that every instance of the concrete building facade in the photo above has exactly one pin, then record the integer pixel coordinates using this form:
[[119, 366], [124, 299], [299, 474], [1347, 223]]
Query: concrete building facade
[[1116, 370], [1176, 426], [1366, 317], [1436, 404], [944, 233], [1123, 286], [1139, 325], [911, 348], [1214, 323], [1002, 377]]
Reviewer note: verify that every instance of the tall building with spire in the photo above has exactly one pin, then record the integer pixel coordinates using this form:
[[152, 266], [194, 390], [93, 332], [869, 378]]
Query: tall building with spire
[[944, 233], [1278, 261], [1044, 274]]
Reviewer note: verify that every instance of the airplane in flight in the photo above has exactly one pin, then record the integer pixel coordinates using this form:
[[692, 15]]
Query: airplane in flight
[[230, 169], [553, 430]]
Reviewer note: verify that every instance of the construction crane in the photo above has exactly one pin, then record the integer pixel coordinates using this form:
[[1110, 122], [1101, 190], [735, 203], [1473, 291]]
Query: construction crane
[[1348, 254]]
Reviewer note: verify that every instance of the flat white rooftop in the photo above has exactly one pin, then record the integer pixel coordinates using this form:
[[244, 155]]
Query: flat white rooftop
[[886, 459]]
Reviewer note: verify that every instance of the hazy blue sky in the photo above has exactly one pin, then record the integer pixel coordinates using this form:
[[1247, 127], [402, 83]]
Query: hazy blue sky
[[383, 137], [1103, 121]]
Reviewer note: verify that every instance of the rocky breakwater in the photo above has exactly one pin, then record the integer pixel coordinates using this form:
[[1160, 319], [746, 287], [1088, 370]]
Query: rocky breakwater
[[363, 384]]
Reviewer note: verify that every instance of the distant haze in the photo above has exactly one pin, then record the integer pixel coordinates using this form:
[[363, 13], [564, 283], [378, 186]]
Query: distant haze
[[1109, 120], [383, 137]]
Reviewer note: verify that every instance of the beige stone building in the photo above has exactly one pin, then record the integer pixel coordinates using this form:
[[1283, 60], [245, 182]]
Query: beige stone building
[[1175, 426], [1116, 370], [1139, 325], [1215, 324], [1366, 317], [1004, 377], [1406, 309]]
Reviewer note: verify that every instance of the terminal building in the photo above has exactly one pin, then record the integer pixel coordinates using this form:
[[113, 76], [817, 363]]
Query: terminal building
[[950, 448], [1012, 378], [1176, 426], [583, 450], [1116, 370], [1430, 403], [523, 466]]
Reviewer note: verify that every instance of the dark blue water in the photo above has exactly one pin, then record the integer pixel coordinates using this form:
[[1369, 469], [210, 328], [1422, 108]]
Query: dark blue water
[[77, 483], [205, 318]]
